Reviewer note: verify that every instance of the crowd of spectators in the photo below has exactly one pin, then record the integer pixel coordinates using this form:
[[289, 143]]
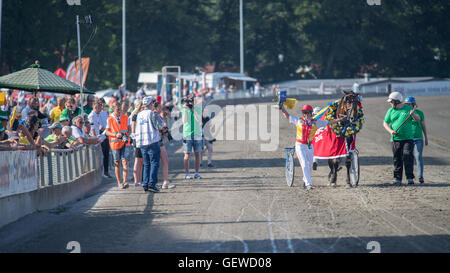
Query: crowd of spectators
[[36, 121]]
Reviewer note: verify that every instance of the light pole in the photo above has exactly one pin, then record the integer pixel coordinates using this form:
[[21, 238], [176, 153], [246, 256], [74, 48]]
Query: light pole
[[124, 58], [80, 63], [241, 24]]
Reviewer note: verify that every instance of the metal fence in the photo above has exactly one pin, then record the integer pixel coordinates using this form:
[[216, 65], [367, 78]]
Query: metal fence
[[65, 165]]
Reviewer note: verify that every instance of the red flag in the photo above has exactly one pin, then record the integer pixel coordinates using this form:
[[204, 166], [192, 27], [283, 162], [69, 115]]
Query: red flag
[[60, 72]]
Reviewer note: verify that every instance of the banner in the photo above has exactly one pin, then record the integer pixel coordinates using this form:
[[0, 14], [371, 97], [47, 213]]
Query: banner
[[18, 172], [73, 71]]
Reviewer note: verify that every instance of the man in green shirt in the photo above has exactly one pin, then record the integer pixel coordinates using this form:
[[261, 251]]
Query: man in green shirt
[[191, 114], [420, 130], [398, 122]]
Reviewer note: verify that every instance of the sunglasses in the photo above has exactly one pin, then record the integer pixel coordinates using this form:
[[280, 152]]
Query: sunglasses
[[306, 112]]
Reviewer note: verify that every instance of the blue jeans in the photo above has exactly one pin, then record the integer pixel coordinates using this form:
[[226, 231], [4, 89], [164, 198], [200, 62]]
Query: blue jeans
[[151, 155], [418, 148]]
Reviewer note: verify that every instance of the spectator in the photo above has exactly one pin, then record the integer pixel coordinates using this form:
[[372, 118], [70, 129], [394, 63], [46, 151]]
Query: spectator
[[99, 120], [207, 142], [64, 120], [33, 104], [118, 131], [140, 94], [71, 111], [402, 135], [89, 104], [69, 142], [55, 138], [87, 128], [138, 162], [192, 135], [79, 135], [57, 110], [420, 130], [4, 118], [161, 122], [125, 105], [147, 137]]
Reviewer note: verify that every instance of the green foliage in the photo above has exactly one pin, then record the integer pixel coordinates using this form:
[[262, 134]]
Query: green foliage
[[344, 38]]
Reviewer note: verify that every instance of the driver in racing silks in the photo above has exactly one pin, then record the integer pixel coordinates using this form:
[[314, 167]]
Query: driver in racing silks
[[306, 129]]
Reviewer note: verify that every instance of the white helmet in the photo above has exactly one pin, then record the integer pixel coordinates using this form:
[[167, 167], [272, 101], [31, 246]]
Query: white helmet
[[395, 96]]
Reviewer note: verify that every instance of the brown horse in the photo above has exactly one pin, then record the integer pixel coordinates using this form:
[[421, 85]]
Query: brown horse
[[348, 110]]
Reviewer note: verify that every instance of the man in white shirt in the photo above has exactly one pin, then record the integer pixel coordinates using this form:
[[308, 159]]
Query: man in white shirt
[[147, 137], [78, 134], [99, 120]]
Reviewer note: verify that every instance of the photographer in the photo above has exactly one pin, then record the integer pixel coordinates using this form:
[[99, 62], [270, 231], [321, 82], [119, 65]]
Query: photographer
[[118, 130], [165, 137], [192, 134]]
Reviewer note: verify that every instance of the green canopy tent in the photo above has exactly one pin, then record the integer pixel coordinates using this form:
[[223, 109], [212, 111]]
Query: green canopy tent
[[36, 79]]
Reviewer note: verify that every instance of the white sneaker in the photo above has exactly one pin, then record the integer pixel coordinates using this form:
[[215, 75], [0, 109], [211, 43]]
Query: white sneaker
[[188, 176], [168, 185]]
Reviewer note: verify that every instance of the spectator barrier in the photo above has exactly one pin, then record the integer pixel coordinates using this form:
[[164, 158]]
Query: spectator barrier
[[29, 183]]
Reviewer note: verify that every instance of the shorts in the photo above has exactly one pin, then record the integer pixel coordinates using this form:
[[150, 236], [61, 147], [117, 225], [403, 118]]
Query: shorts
[[188, 144], [138, 152], [120, 154]]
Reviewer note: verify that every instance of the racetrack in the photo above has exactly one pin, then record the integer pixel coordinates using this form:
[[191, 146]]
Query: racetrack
[[244, 204]]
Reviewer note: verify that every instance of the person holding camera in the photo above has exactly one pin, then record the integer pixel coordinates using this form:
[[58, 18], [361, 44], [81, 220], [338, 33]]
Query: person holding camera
[[165, 137], [118, 131], [192, 134]]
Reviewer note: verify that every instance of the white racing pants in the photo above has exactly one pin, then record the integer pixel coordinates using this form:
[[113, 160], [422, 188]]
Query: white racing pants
[[306, 158]]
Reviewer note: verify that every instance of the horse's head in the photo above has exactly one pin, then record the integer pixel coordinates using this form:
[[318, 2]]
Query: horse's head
[[348, 107]]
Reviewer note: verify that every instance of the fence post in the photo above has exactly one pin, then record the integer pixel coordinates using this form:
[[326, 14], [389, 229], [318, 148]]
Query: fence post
[[49, 170]]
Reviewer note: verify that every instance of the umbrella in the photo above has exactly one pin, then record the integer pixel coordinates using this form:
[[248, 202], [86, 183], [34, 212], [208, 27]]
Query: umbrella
[[38, 80]]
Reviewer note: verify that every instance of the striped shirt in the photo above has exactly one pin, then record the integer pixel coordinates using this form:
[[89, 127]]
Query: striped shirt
[[146, 132]]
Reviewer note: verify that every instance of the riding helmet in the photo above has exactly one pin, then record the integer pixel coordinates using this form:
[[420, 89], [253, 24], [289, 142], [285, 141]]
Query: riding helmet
[[395, 96], [307, 107], [410, 100]]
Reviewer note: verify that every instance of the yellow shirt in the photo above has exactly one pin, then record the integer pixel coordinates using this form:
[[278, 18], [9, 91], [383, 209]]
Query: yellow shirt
[[56, 113]]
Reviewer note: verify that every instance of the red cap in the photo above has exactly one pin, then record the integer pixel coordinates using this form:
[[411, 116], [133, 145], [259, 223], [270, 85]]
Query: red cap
[[307, 107], [158, 99]]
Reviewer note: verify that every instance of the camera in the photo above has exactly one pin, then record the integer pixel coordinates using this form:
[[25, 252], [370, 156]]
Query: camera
[[165, 131], [188, 101]]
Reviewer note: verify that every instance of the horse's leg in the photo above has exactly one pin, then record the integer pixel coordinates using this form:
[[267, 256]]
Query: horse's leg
[[335, 163], [331, 165]]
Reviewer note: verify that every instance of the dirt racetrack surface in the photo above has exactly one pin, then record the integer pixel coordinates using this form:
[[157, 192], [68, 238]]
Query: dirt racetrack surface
[[243, 204]]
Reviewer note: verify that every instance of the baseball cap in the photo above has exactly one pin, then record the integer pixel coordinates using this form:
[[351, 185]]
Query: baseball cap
[[63, 118], [147, 100], [55, 125]]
